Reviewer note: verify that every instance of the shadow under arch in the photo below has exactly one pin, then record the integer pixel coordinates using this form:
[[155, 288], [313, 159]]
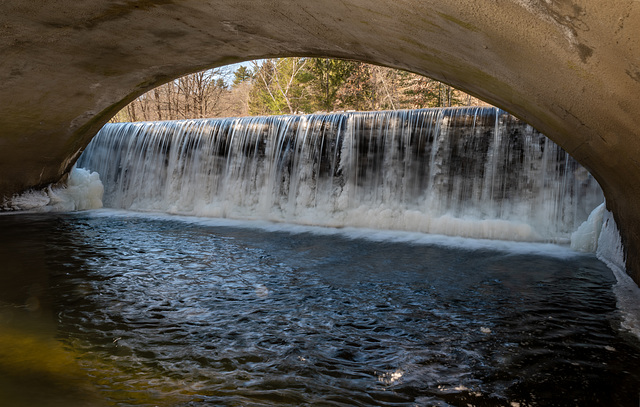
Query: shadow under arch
[[555, 65]]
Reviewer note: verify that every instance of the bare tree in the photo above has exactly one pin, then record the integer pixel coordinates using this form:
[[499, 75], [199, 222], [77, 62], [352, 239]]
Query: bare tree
[[291, 85], [279, 76]]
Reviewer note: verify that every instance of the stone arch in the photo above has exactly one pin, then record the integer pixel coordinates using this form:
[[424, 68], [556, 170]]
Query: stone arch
[[569, 68]]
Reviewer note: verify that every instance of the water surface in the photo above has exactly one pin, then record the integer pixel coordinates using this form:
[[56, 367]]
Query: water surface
[[115, 308]]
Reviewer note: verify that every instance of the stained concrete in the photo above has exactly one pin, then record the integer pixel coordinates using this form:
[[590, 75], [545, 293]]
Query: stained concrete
[[570, 68]]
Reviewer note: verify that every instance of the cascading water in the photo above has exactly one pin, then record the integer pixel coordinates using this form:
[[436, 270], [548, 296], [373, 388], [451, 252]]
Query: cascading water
[[473, 172]]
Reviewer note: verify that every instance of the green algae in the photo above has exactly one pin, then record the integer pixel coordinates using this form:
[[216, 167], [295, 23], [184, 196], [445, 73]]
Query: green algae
[[463, 24]]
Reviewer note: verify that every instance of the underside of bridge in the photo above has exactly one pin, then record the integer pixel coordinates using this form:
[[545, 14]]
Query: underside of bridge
[[569, 68]]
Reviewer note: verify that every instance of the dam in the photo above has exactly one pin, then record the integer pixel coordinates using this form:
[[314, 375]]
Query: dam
[[471, 172]]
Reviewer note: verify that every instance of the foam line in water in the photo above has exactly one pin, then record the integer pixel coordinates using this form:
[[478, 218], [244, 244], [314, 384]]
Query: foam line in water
[[508, 247], [82, 190]]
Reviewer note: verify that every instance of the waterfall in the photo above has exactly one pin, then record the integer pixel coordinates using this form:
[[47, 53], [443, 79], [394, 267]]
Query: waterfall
[[472, 172]]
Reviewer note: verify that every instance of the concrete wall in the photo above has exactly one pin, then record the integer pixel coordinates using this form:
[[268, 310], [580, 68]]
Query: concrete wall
[[571, 69]]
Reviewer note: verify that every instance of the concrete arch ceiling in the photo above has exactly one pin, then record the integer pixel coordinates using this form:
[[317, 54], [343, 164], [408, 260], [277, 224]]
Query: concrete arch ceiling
[[570, 68]]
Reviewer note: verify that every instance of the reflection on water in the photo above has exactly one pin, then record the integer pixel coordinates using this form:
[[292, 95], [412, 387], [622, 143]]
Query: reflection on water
[[36, 369], [130, 310]]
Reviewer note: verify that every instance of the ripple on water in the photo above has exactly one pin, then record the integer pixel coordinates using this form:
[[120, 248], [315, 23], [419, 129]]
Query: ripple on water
[[166, 312]]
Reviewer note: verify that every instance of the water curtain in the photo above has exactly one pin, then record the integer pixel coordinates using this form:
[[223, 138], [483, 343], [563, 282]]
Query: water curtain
[[472, 172]]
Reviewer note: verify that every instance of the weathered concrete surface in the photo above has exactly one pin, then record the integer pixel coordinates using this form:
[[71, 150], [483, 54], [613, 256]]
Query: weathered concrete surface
[[570, 68]]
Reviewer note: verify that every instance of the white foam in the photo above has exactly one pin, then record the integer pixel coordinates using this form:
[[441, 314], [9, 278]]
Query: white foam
[[83, 190], [365, 217], [509, 247]]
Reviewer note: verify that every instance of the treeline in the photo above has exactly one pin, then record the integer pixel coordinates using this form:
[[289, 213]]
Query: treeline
[[291, 85]]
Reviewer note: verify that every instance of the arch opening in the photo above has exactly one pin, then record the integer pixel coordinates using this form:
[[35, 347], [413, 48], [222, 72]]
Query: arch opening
[[299, 85], [503, 52]]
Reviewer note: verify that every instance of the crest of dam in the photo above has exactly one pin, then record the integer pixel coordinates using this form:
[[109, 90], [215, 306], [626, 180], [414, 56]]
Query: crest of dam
[[473, 172]]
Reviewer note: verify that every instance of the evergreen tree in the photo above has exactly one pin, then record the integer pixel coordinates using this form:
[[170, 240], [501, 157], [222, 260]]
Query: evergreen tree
[[241, 75], [328, 76]]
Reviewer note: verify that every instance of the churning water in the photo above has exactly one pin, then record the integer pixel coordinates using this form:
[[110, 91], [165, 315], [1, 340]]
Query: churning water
[[308, 276]]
